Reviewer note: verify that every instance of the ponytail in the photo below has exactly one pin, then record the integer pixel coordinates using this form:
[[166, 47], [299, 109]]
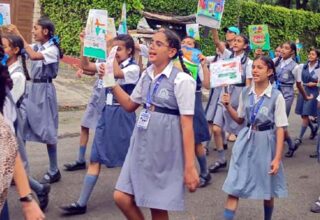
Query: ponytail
[[24, 65], [56, 41], [184, 68]]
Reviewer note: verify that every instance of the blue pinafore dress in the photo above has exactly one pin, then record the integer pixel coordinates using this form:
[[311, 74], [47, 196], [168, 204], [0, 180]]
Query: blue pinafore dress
[[285, 81], [40, 105], [114, 130], [304, 107], [154, 166], [251, 157]]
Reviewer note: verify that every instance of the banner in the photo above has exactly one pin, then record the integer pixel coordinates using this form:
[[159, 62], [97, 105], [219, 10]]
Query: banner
[[259, 37], [5, 18], [111, 28], [193, 31], [95, 37], [123, 22], [210, 12], [108, 78], [225, 72], [191, 54]]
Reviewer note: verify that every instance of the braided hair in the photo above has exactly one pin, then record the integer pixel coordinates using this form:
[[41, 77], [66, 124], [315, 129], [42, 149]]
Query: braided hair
[[46, 23], [174, 42], [16, 41]]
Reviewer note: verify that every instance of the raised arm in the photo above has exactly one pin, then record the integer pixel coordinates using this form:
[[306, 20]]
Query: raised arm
[[219, 45]]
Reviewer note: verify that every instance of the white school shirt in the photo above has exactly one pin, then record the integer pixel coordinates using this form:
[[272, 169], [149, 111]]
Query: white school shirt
[[49, 51], [9, 113], [131, 73], [184, 89], [19, 81], [226, 55], [281, 119], [144, 50]]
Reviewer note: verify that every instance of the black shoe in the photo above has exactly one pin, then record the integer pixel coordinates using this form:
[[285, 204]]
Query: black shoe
[[225, 146], [290, 153], [297, 143], [216, 166], [43, 196], [48, 178], [73, 209], [314, 155], [76, 165], [204, 180], [314, 132]]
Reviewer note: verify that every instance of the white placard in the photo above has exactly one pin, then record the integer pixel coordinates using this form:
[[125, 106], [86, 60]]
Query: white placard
[[5, 18], [108, 78]]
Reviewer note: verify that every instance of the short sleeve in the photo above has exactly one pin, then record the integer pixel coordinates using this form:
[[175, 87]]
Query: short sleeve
[[200, 73], [249, 69], [297, 72], [241, 112], [50, 54], [318, 98], [184, 90], [226, 54], [131, 74], [136, 95], [280, 115], [19, 84]]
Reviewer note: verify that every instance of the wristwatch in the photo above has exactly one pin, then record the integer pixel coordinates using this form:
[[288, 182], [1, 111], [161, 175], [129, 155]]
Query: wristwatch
[[27, 198]]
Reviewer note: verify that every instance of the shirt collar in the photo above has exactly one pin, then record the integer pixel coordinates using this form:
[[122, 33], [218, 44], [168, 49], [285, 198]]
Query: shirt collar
[[125, 62], [167, 71], [287, 61], [47, 44], [13, 66], [266, 92]]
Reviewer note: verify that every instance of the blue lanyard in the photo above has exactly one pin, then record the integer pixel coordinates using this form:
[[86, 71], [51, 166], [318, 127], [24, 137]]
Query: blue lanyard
[[254, 111], [155, 89]]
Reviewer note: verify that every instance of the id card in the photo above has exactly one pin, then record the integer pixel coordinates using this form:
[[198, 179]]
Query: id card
[[109, 99], [143, 120]]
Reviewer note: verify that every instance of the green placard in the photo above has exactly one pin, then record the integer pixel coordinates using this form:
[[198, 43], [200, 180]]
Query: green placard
[[259, 37]]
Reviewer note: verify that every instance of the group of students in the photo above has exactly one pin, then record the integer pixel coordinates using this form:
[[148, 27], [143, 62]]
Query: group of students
[[157, 149]]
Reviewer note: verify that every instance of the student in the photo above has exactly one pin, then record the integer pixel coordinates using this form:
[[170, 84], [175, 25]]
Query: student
[[200, 126], [222, 120], [278, 52], [309, 77], [40, 102], [230, 34], [286, 74], [93, 110], [161, 153], [13, 48], [115, 126], [255, 170]]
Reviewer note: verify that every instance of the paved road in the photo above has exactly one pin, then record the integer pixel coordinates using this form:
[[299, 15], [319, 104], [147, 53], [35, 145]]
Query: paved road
[[302, 174]]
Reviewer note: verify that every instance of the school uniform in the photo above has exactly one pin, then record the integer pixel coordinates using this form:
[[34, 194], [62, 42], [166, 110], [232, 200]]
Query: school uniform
[[154, 166], [18, 79], [304, 107], [255, 147], [115, 126], [95, 106], [285, 79], [40, 102], [200, 125], [222, 117]]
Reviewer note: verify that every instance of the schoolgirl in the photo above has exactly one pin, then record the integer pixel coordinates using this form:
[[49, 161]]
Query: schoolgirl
[[286, 74], [93, 111], [222, 119], [115, 126], [161, 154], [200, 126], [13, 48], [40, 101], [255, 170], [306, 108]]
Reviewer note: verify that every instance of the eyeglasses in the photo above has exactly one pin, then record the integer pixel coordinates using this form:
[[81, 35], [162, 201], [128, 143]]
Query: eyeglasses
[[158, 44]]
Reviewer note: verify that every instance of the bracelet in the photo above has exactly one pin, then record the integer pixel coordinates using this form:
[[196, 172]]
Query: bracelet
[[27, 198]]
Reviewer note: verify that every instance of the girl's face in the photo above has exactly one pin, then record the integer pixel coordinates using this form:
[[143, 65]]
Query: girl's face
[[260, 71], [239, 44], [160, 52], [286, 51], [123, 53], [40, 34], [278, 52], [188, 42], [312, 57], [12, 52]]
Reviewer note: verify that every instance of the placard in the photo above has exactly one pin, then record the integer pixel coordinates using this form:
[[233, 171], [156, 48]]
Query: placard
[[193, 31], [123, 22], [259, 37], [95, 37], [210, 13], [111, 28], [225, 72], [108, 78], [5, 18]]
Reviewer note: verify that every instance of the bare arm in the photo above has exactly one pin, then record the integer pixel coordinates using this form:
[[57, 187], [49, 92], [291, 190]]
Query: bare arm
[[124, 99], [233, 113], [215, 35], [275, 164], [206, 72], [191, 175], [302, 91]]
